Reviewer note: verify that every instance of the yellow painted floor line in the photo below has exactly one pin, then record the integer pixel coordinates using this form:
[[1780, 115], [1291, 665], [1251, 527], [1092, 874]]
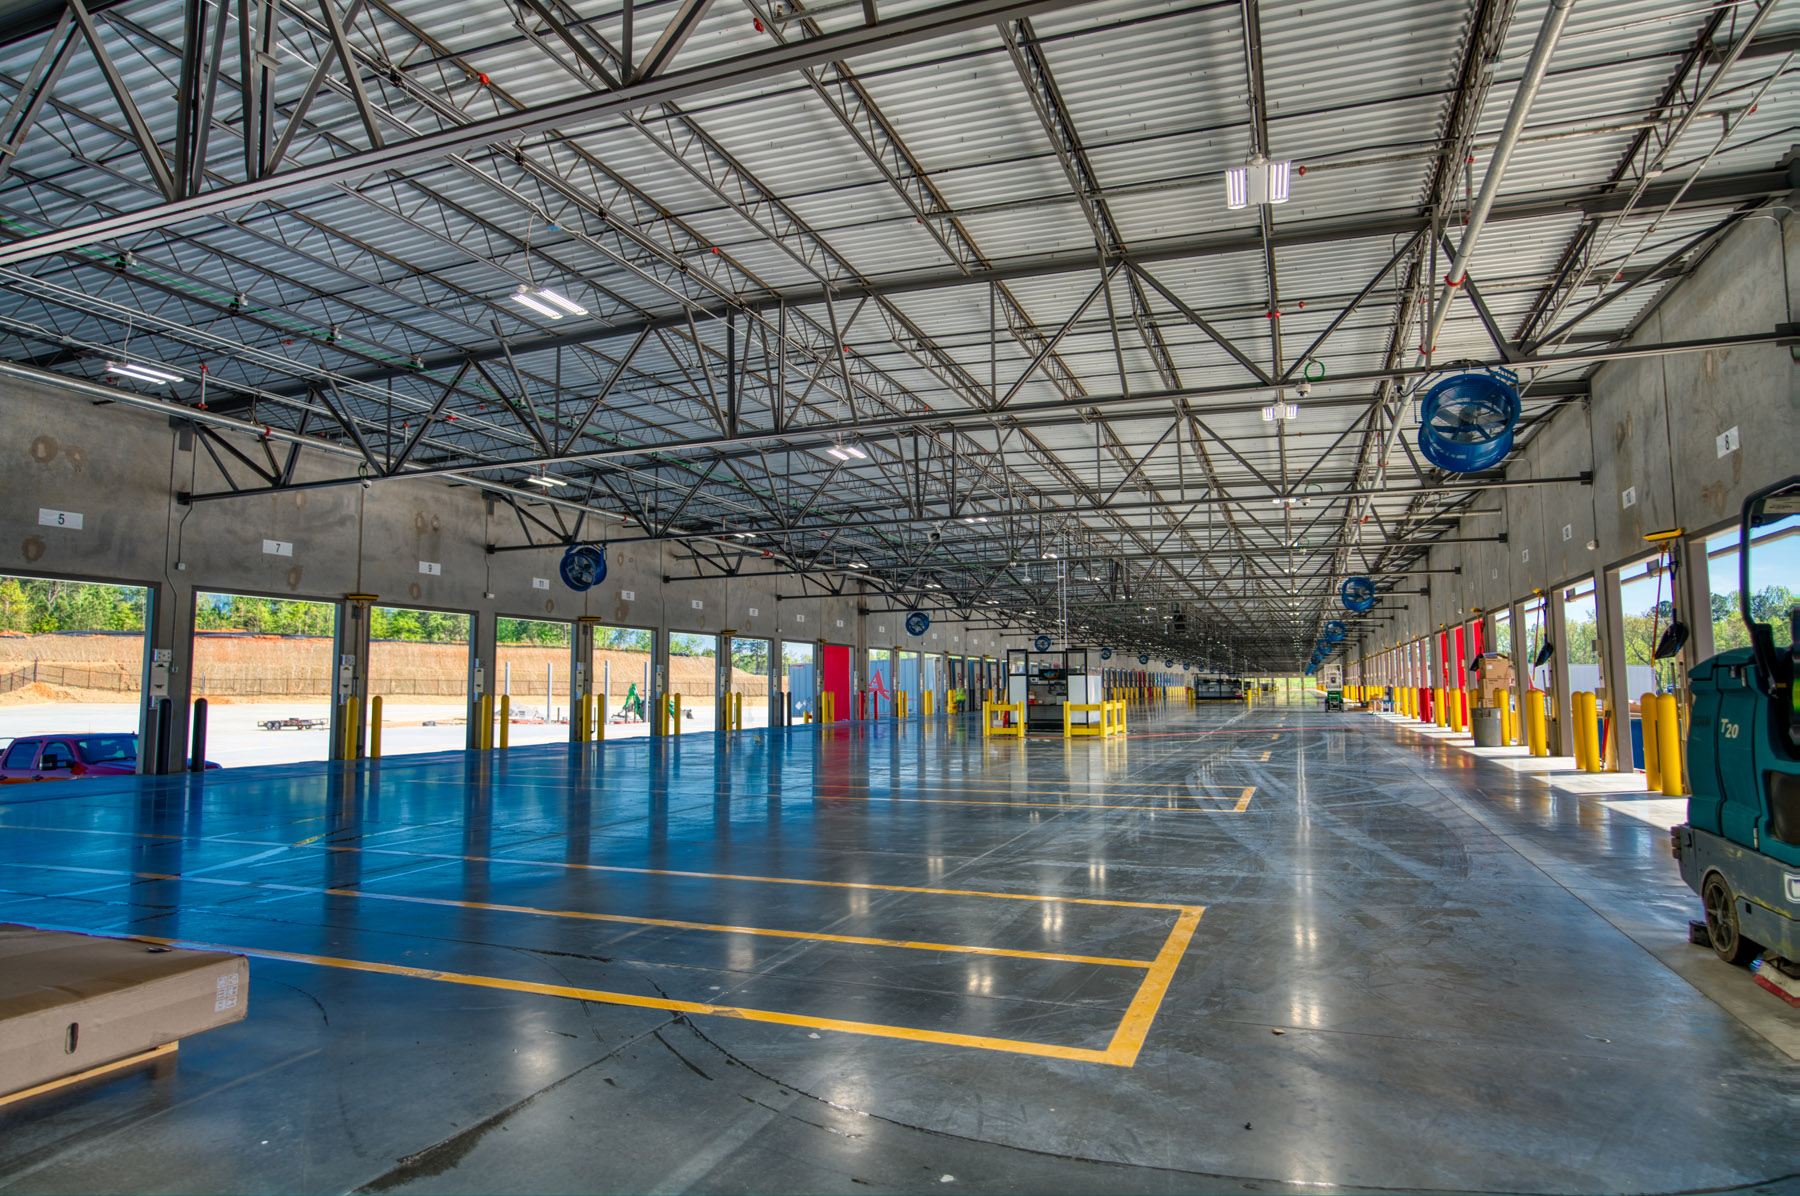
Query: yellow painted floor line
[[770, 880], [1121, 1053], [633, 920], [1241, 803], [1128, 1039], [866, 886]]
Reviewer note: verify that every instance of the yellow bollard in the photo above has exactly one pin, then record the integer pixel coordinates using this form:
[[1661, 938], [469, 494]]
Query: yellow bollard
[[926, 700], [1668, 745], [675, 715], [900, 704], [1578, 712], [484, 722], [352, 740], [1536, 733], [1587, 727], [1652, 760], [506, 721], [1437, 705], [375, 728]]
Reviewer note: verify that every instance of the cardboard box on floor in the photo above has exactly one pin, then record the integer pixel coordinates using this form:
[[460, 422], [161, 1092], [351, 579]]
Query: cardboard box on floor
[[72, 1002]]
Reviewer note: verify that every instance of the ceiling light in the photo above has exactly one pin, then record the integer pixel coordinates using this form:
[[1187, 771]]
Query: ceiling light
[[859, 565], [839, 453], [854, 451], [569, 305], [544, 479], [1282, 411], [535, 304], [1257, 181], [143, 373]]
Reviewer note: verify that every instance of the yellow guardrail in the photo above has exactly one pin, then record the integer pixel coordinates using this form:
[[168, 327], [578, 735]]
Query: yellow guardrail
[[1073, 729], [1014, 728]]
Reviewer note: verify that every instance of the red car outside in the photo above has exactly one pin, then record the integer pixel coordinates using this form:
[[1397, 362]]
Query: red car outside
[[55, 757]]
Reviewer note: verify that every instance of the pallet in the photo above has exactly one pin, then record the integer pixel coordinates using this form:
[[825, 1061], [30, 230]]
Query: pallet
[[92, 1073]]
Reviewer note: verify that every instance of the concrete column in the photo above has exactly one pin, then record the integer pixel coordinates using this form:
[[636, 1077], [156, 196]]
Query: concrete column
[[1609, 604], [659, 673], [1521, 662], [168, 673], [484, 635], [859, 656], [1560, 733], [1693, 602], [350, 678], [581, 669], [722, 679], [777, 716]]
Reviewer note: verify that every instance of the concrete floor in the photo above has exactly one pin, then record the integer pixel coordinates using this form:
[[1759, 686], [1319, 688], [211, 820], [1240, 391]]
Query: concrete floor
[[1262, 949]]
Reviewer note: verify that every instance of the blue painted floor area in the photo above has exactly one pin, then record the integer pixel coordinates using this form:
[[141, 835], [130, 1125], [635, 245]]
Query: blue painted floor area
[[1244, 949]]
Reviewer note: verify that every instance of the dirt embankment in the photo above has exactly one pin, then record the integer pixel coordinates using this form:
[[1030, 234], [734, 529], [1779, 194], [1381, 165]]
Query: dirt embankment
[[108, 668]]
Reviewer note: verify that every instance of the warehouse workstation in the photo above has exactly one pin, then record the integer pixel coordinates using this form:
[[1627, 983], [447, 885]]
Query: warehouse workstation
[[898, 595]]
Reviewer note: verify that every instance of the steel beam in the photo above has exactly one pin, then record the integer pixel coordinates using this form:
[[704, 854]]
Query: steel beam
[[585, 110]]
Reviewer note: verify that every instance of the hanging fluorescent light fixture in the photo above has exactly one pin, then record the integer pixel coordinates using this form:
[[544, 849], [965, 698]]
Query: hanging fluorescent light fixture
[[1257, 181], [544, 479], [142, 373], [1281, 411], [558, 300], [535, 304], [846, 451]]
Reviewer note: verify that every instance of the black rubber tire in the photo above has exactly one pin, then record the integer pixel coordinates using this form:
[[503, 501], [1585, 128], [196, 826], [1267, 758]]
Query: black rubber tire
[[1728, 943]]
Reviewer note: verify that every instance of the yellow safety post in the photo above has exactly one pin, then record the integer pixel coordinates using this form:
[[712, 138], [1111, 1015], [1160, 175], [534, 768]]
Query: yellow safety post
[[350, 739], [1668, 745], [1016, 728], [1587, 725], [1536, 736], [1652, 769], [375, 727], [506, 721], [484, 716], [1073, 729], [927, 700], [1576, 712], [1506, 721], [900, 704]]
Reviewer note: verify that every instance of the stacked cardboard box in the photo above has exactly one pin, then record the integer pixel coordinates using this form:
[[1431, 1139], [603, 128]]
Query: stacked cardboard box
[[70, 1003]]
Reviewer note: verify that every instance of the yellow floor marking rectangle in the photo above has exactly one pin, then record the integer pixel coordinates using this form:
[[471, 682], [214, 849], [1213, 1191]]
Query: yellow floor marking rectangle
[[621, 868], [1121, 1051], [1241, 802], [634, 920]]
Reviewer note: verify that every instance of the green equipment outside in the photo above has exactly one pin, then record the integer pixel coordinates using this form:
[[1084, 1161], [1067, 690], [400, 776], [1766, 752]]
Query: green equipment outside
[[633, 704], [1740, 847]]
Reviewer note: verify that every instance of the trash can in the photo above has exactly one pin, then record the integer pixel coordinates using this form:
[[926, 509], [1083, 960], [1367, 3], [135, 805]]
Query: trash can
[[1484, 722]]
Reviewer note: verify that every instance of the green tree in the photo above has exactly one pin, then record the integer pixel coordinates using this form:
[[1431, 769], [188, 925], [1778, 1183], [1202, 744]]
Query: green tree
[[15, 606]]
